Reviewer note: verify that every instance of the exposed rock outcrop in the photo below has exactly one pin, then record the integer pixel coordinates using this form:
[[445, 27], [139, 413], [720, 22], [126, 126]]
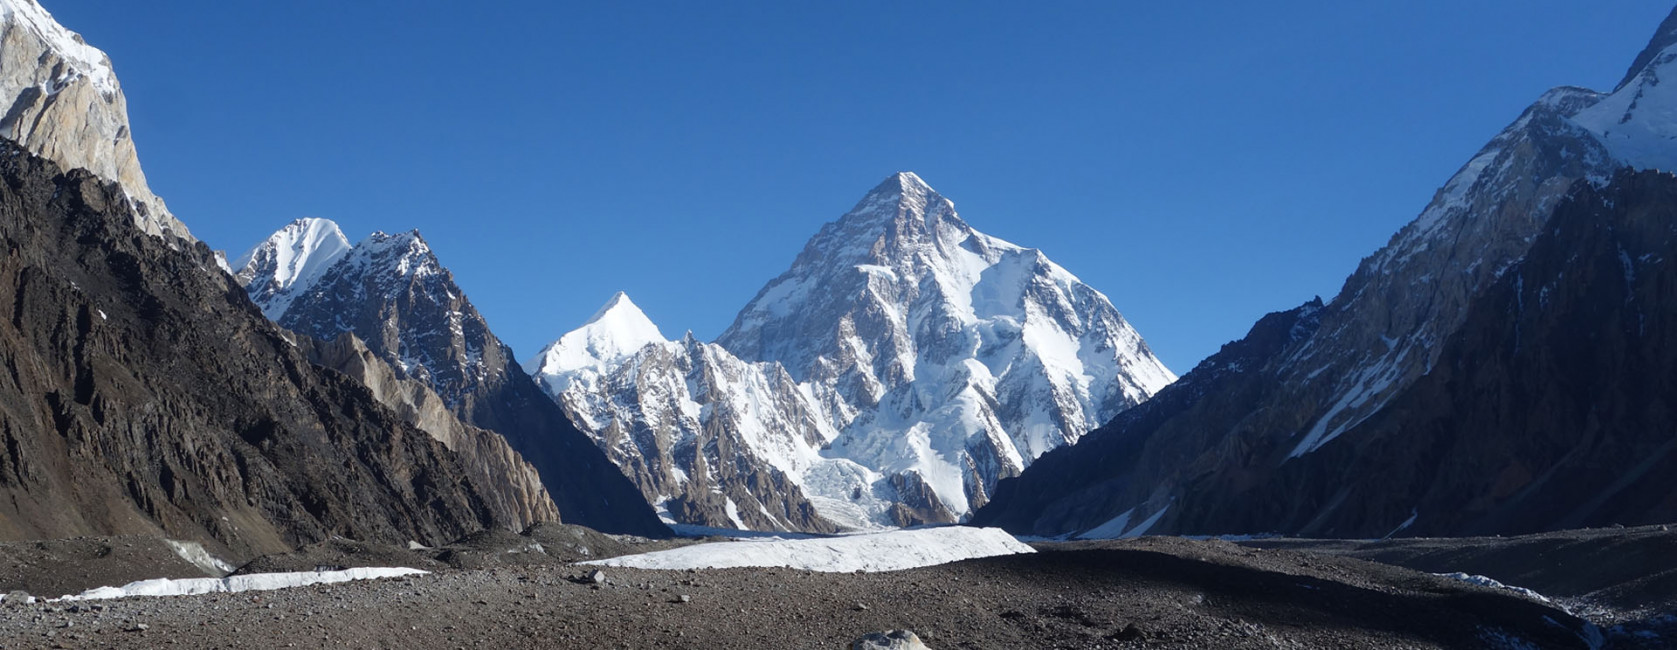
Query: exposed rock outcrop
[[391, 292], [143, 395], [63, 101]]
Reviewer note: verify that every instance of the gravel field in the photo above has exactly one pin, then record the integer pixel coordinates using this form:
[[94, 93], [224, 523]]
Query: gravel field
[[1151, 592]]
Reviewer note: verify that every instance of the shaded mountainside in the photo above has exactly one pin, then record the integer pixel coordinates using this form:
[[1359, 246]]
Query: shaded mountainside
[[143, 393], [1199, 455], [1549, 408], [392, 293]]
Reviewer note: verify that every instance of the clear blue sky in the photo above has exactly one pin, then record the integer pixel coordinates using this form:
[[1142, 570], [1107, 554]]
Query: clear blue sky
[[1200, 163]]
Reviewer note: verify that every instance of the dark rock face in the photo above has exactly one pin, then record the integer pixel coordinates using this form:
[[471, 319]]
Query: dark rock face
[[484, 454], [1549, 408], [1383, 334], [142, 392], [392, 293]]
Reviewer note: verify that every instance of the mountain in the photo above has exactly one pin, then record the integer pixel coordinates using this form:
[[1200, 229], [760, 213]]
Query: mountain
[[709, 439], [899, 368], [1228, 451], [143, 393], [391, 292], [63, 102], [945, 356]]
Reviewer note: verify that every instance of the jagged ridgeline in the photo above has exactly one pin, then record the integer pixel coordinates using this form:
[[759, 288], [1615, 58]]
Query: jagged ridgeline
[[143, 393], [1484, 373], [901, 366], [392, 294]]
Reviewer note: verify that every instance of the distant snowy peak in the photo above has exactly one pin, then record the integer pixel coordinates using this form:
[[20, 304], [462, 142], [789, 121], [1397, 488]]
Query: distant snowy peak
[[951, 359], [290, 261], [616, 332]]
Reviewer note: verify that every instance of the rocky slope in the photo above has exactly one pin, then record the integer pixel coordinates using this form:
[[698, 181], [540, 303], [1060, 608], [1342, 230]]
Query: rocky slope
[[143, 393], [392, 293], [1151, 593], [485, 455], [1253, 426], [899, 368], [63, 102]]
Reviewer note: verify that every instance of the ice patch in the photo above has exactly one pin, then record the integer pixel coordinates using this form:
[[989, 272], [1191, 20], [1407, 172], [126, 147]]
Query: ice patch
[[194, 552], [870, 552], [236, 584], [1489, 582]]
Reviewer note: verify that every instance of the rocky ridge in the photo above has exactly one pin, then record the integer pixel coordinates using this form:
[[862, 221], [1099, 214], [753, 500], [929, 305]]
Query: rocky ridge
[[144, 394], [1355, 357], [396, 297], [903, 365], [63, 102]]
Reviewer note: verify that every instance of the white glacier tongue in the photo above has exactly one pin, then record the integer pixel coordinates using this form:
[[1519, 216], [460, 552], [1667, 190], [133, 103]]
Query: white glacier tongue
[[289, 262], [874, 552]]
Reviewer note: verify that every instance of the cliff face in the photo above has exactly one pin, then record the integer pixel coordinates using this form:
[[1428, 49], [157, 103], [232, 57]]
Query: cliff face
[[142, 394], [392, 293], [63, 102], [485, 455]]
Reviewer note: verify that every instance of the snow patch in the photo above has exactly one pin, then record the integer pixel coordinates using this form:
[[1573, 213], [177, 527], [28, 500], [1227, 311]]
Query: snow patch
[[236, 584], [870, 552], [194, 552]]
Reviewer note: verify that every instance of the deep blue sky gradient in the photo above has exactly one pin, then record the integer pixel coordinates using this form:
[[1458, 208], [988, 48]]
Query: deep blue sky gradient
[[1200, 163]]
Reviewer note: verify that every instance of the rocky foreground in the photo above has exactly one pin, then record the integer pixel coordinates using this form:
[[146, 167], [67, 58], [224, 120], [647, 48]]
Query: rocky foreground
[[1153, 592]]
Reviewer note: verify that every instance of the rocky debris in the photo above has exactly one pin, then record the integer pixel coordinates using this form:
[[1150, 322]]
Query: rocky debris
[[1183, 594], [143, 394], [890, 640], [1226, 453], [67, 566], [63, 102], [1613, 575], [597, 577], [393, 294]]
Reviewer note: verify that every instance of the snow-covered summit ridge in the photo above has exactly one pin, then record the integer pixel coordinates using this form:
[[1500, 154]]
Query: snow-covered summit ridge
[[63, 103], [84, 59], [944, 353], [615, 332], [290, 261]]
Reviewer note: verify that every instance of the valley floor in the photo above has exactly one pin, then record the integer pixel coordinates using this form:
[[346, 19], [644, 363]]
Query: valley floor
[[1151, 592]]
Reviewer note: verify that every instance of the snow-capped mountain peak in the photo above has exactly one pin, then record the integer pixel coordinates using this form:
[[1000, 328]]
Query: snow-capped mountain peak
[[615, 332], [64, 103], [84, 59], [290, 261]]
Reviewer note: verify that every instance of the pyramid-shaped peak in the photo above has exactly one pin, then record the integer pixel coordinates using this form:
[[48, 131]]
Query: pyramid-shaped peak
[[619, 309], [616, 331], [905, 184]]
